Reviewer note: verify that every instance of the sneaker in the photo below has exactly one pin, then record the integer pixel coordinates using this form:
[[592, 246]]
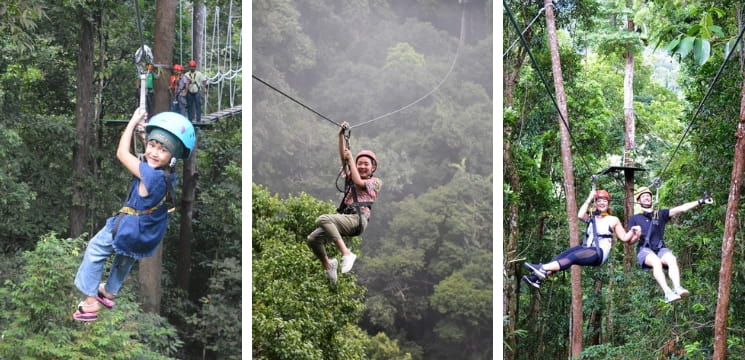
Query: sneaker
[[681, 291], [537, 269], [671, 297], [533, 280], [347, 262], [331, 272]]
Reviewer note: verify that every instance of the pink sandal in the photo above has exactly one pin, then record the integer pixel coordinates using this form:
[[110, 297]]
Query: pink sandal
[[82, 315], [106, 302]]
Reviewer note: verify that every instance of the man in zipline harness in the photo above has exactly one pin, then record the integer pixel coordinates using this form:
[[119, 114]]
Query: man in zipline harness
[[595, 248], [361, 191], [651, 252]]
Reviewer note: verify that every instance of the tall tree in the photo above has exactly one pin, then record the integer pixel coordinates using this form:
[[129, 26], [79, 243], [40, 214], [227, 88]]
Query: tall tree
[[567, 165], [189, 188], [629, 139], [722, 319], [511, 266], [84, 112], [150, 273]]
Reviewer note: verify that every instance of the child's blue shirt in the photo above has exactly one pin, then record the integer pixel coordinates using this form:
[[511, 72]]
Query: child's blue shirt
[[138, 236]]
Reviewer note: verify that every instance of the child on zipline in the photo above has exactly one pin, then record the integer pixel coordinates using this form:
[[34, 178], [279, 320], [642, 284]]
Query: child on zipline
[[362, 189], [594, 251], [140, 225]]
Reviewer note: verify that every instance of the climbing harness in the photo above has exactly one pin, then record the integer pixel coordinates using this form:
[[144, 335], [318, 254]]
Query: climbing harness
[[126, 210], [349, 186]]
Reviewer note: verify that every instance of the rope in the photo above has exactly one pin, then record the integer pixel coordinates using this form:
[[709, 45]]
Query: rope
[[543, 80], [294, 100], [701, 104], [215, 60], [442, 81], [523, 32]]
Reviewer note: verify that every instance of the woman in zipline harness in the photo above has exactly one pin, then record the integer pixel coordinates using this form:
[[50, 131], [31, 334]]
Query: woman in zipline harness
[[362, 189], [595, 249]]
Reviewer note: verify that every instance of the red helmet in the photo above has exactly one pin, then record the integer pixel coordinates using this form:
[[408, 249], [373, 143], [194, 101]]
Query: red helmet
[[192, 63], [178, 67], [369, 154], [602, 194]]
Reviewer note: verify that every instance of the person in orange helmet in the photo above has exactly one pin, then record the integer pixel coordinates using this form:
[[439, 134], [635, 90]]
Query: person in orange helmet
[[362, 189], [178, 93], [595, 248], [195, 84]]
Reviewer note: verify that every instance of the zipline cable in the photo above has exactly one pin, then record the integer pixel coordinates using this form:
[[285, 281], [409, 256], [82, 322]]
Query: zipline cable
[[524, 30], [701, 104], [294, 100], [543, 80], [461, 39]]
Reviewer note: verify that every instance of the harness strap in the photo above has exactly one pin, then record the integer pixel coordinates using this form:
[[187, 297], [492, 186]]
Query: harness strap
[[356, 205], [648, 237], [132, 211]]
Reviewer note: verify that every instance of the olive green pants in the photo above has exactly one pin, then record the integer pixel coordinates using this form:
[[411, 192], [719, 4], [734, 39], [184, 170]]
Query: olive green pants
[[331, 227]]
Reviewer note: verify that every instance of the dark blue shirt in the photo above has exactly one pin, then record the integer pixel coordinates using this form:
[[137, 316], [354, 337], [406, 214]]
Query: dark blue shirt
[[138, 236], [647, 222]]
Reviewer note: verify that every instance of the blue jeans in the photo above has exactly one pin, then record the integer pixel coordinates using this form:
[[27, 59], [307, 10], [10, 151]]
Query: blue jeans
[[194, 100], [91, 268]]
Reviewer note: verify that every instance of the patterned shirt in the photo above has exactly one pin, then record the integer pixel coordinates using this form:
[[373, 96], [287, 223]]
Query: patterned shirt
[[369, 193]]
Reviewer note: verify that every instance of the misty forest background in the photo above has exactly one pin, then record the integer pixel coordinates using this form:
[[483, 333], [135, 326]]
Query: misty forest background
[[65, 67], [624, 314], [422, 285]]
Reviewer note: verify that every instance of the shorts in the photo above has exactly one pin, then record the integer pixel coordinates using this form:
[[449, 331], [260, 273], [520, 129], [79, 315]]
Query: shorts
[[641, 255]]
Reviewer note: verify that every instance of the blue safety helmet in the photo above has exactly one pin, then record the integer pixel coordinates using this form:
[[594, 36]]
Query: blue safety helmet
[[177, 125]]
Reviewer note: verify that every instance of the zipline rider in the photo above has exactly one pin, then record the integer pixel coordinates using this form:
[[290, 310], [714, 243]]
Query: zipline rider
[[596, 247], [361, 191], [651, 252]]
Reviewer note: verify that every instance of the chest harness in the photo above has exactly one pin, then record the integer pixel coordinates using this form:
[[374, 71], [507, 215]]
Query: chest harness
[[595, 243], [654, 218], [127, 210], [349, 186]]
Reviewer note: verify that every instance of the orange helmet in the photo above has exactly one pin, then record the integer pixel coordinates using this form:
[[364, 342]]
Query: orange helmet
[[192, 63], [602, 194], [369, 154], [178, 67]]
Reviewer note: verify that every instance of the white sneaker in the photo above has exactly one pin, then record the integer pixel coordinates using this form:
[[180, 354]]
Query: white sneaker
[[671, 297], [347, 262], [681, 291], [331, 271]]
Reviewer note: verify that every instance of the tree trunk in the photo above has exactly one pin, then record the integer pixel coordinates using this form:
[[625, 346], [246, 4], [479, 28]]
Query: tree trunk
[[629, 147], [512, 278], [511, 291], [190, 175], [84, 112], [151, 269], [728, 241], [567, 164]]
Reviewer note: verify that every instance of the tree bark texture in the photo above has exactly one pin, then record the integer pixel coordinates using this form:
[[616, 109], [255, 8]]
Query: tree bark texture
[[629, 147], [190, 174], [567, 164], [151, 268], [84, 112], [728, 241]]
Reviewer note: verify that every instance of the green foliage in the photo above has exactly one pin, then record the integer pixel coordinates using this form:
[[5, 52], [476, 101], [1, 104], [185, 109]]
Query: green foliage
[[297, 314], [38, 305], [218, 328]]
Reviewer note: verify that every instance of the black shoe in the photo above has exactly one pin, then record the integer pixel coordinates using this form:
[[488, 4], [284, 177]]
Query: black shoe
[[537, 269], [533, 280]]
